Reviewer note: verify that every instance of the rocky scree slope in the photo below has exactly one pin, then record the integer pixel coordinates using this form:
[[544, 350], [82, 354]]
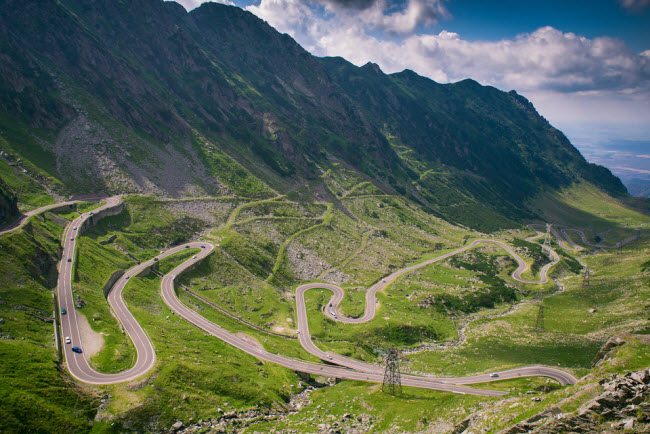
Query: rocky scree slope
[[142, 96]]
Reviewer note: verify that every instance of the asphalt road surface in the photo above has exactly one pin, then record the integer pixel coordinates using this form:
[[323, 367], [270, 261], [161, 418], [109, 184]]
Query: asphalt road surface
[[340, 367], [560, 238], [331, 310], [77, 363], [600, 245], [168, 293], [22, 220]]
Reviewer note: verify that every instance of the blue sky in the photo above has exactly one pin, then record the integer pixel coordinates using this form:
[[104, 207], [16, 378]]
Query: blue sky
[[481, 20], [585, 64], [484, 20]]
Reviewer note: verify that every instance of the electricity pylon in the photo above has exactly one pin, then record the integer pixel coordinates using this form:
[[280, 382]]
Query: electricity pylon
[[585, 278], [392, 378]]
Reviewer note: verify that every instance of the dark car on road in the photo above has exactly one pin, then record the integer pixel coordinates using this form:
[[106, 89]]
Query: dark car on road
[[76, 349], [63, 312]]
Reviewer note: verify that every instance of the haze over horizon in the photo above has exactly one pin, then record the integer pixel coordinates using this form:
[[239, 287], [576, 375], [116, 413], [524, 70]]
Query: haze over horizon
[[586, 69]]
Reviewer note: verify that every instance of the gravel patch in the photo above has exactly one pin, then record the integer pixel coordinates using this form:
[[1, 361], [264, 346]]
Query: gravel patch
[[93, 341]]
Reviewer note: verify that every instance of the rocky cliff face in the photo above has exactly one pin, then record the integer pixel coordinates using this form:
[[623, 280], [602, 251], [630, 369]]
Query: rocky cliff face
[[143, 96]]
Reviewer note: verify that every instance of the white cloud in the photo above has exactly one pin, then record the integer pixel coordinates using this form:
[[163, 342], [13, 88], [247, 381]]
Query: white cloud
[[313, 22], [384, 16], [546, 59], [294, 17]]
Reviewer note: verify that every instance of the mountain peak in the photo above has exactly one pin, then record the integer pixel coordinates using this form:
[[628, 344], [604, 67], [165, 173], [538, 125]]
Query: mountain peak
[[374, 67], [214, 7], [468, 82], [176, 9]]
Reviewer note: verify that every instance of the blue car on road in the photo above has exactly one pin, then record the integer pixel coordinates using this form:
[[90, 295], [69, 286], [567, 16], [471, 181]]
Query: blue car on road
[[76, 349]]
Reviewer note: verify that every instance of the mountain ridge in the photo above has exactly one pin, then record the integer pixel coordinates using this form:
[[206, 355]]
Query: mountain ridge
[[124, 97]]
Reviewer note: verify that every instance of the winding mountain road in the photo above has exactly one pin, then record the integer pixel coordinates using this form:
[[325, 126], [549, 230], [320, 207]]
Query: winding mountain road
[[332, 311], [168, 293], [77, 363], [337, 366], [560, 238], [24, 218], [600, 245]]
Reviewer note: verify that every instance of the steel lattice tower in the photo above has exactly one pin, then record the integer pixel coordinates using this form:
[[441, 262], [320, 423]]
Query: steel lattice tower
[[585, 279], [392, 378]]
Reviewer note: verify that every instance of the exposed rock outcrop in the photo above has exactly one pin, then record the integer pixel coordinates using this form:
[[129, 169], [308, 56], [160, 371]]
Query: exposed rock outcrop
[[624, 405], [612, 343]]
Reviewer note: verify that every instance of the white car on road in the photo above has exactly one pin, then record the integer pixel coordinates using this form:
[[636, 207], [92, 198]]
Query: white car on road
[[67, 340]]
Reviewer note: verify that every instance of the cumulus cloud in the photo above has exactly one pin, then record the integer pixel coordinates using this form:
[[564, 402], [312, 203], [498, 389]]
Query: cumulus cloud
[[294, 17], [389, 15], [546, 59]]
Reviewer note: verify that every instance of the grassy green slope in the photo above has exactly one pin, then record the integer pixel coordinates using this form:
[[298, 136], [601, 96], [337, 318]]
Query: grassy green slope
[[584, 206], [365, 236], [36, 393]]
